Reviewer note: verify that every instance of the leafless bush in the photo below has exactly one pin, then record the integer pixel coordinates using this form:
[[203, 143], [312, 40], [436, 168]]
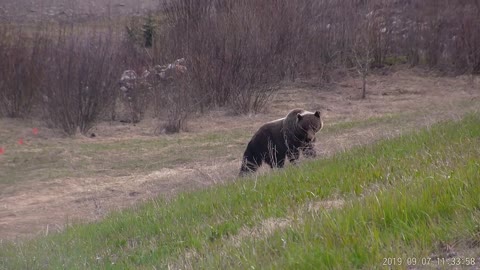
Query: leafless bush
[[133, 56], [174, 88], [179, 105], [170, 87], [468, 39], [442, 34], [81, 75], [136, 93], [237, 49], [20, 71]]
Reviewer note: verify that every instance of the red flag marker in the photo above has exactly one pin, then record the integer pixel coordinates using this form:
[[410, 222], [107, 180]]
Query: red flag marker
[[1, 150], [20, 141], [35, 131]]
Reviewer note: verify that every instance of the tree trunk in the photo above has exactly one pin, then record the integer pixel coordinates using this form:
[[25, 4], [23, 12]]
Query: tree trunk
[[364, 85]]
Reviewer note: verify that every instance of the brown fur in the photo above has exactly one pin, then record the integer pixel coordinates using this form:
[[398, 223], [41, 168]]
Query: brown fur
[[286, 137]]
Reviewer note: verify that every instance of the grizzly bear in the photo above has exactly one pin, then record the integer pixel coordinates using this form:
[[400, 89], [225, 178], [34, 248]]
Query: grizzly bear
[[282, 138]]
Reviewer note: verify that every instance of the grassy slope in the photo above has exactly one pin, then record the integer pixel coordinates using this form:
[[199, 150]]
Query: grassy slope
[[46, 159], [405, 197]]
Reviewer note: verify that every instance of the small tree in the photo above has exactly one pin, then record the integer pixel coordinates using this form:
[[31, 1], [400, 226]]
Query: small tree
[[362, 51]]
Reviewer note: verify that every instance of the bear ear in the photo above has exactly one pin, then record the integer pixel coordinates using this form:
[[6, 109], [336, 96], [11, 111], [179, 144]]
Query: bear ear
[[317, 114], [299, 117]]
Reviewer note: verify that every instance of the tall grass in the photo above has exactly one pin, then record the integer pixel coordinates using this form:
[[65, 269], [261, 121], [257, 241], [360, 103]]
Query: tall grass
[[406, 197]]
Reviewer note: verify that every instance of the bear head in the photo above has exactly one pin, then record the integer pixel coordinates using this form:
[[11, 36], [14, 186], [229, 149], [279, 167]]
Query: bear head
[[309, 123]]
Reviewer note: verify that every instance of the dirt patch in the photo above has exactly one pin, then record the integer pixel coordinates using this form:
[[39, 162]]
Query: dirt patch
[[325, 205], [46, 207], [413, 100], [266, 228]]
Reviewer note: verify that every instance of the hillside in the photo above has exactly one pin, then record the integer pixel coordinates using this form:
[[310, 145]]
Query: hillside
[[410, 203]]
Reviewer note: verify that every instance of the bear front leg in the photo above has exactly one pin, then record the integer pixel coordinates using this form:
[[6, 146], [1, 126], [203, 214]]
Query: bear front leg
[[249, 165], [275, 162], [309, 151], [280, 163], [293, 155]]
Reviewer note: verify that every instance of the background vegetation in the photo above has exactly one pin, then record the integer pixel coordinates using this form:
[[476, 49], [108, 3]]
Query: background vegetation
[[237, 53]]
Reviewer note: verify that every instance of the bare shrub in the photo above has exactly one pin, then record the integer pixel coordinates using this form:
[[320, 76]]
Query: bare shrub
[[438, 34], [442, 34], [238, 50], [179, 106], [468, 40], [319, 44], [80, 80], [168, 85], [174, 88], [172, 91], [136, 93], [20, 71]]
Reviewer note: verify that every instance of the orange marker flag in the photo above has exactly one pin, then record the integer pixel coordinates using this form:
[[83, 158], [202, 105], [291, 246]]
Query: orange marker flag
[[2, 150], [20, 141], [35, 131]]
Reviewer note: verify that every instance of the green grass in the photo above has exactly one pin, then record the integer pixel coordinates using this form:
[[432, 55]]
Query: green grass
[[404, 198]]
